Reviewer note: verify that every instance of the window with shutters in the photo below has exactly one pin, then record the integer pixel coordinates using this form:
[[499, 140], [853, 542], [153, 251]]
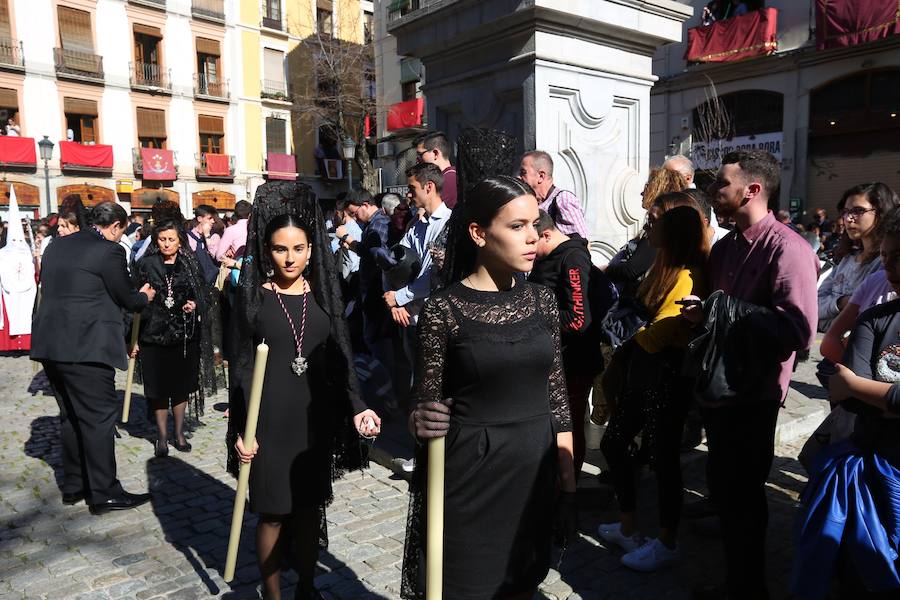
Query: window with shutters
[[76, 53], [209, 68], [212, 134], [9, 107], [10, 51], [151, 127], [276, 135], [324, 21], [147, 68], [274, 84], [82, 120]]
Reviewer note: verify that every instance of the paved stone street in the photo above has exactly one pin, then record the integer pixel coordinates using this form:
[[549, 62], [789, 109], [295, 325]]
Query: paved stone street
[[174, 548]]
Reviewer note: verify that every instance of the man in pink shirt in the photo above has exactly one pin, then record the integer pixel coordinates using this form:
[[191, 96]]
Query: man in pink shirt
[[231, 246], [434, 148], [766, 263]]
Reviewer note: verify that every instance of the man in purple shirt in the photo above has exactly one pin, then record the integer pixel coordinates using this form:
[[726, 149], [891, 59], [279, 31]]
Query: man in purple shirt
[[434, 148], [536, 170], [765, 263], [231, 246]]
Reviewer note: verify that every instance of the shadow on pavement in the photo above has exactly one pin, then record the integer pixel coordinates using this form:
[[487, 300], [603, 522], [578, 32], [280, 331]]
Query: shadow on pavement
[[44, 443]]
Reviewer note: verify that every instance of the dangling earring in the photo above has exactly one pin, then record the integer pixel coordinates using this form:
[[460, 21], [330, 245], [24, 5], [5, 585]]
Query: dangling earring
[[270, 273]]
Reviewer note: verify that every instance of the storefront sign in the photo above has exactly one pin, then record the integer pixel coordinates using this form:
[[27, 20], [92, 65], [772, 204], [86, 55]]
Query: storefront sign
[[708, 156]]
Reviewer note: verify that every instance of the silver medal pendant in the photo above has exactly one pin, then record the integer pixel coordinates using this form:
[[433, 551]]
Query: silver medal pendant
[[169, 302], [298, 366]]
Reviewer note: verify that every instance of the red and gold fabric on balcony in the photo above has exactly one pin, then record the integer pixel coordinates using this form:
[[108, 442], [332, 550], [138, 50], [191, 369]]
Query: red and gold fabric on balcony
[[97, 156], [17, 151], [841, 23], [217, 164], [281, 166], [158, 164], [406, 114], [737, 38]]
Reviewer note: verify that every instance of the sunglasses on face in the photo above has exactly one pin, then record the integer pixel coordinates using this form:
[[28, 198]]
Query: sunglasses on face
[[855, 213]]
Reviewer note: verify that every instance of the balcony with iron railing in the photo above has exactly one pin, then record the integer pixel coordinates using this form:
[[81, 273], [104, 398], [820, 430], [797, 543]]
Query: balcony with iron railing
[[202, 169], [11, 54], [150, 76], [138, 162], [212, 10], [208, 88], [400, 8], [275, 90], [75, 64]]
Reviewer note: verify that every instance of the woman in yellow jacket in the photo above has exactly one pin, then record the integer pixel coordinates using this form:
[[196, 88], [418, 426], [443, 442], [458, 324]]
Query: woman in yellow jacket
[[650, 401]]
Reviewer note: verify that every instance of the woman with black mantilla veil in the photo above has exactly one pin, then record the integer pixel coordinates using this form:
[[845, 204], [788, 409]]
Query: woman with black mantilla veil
[[311, 414]]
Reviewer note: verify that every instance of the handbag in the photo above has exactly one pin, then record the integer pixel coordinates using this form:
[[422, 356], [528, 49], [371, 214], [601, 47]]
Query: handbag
[[624, 319]]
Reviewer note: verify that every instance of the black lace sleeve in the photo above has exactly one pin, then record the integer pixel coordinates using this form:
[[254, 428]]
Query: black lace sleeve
[[433, 332], [559, 397]]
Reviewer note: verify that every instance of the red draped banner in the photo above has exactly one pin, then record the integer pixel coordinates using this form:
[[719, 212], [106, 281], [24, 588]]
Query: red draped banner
[[281, 166], [217, 164], [849, 22], [753, 34], [405, 114], [158, 164], [96, 156], [17, 150]]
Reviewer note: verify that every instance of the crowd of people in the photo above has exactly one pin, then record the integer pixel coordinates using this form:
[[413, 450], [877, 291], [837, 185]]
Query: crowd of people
[[472, 310]]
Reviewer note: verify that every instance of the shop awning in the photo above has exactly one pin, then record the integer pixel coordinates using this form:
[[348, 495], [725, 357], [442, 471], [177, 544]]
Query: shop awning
[[158, 164], [406, 114], [281, 166], [82, 156], [17, 151], [737, 38], [841, 23]]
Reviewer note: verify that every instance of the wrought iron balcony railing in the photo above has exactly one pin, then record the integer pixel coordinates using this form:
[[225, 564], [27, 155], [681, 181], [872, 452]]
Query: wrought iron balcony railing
[[11, 53], [209, 87], [275, 90], [209, 9], [82, 65], [202, 169], [150, 76]]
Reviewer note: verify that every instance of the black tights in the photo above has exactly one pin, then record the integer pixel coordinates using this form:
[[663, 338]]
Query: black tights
[[304, 532], [660, 414]]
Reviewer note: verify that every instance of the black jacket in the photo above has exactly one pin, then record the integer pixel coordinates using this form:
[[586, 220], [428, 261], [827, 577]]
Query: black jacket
[[84, 287], [583, 295], [736, 352], [168, 326]]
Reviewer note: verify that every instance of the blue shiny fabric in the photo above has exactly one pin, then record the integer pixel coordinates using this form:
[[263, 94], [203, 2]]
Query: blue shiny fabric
[[852, 503]]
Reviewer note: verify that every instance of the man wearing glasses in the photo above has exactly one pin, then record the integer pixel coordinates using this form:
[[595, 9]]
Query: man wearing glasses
[[434, 148]]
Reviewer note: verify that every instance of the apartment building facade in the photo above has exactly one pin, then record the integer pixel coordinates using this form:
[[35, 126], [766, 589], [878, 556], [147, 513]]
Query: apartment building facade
[[187, 100], [816, 83]]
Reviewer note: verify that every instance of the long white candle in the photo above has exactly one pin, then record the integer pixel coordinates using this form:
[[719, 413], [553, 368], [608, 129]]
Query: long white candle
[[129, 378], [434, 550], [249, 438]]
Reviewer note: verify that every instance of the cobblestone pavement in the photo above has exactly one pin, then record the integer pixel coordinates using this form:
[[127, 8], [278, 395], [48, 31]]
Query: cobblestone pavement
[[174, 547]]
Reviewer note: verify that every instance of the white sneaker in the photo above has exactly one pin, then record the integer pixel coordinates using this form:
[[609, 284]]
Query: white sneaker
[[408, 466], [612, 533], [652, 556]]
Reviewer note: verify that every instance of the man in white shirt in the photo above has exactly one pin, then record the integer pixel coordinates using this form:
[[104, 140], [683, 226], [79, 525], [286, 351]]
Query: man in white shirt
[[681, 164]]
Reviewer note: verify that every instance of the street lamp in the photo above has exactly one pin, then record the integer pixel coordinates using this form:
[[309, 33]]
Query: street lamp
[[46, 147], [349, 150]]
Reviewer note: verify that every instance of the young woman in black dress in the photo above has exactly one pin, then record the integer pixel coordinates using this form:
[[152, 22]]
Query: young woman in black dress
[[301, 409], [489, 342], [170, 331]]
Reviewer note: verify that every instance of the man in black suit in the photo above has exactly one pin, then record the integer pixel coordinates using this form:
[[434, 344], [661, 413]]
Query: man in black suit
[[78, 336]]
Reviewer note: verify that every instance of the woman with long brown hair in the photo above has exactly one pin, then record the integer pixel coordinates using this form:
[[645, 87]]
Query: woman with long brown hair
[[649, 402]]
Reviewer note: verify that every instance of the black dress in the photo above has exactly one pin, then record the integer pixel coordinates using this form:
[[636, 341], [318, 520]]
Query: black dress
[[169, 337], [497, 355], [292, 468]]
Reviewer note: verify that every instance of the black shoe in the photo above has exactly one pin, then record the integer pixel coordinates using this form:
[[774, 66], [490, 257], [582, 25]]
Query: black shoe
[[122, 502], [185, 447], [70, 498], [161, 449], [700, 509]]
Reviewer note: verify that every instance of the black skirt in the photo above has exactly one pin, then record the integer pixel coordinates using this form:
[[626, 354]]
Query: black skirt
[[169, 371]]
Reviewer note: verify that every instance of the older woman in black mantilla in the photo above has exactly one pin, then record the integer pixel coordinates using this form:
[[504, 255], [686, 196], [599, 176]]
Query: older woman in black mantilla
[[311, 413], [171, 331]]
